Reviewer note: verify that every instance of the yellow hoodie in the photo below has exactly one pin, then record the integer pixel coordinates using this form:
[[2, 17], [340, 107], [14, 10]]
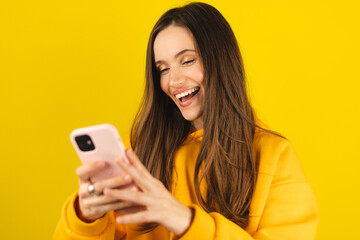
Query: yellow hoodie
[[283, 204]]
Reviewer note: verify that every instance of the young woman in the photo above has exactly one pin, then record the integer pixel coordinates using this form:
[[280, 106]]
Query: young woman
[[201, 165]]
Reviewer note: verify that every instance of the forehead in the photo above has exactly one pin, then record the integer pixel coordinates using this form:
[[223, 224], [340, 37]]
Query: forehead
[[172, 40]]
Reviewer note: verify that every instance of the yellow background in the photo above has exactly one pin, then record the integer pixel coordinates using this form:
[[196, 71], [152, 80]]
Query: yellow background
[[69, 64]]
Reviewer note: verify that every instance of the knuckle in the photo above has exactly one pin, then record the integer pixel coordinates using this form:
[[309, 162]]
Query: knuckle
[[97, 186], [116, 194], [82, 191], [117, 181], [96, 165], [124, 178], [137, 194], [86, 205], [158, 183], [82, 194], [79, 171]]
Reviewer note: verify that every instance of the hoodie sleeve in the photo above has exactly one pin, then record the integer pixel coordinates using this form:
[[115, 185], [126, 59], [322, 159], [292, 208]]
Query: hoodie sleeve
[[71, 227], [287, 210]]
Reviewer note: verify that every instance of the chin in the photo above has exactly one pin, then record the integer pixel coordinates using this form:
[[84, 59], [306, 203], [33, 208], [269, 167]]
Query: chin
[[191, 116]]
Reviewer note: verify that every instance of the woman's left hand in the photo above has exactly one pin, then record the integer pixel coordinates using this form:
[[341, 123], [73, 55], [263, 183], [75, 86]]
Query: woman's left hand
[[156, 202]]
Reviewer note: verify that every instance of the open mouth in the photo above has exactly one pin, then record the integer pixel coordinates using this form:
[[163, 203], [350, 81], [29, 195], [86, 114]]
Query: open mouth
[[184, 96]]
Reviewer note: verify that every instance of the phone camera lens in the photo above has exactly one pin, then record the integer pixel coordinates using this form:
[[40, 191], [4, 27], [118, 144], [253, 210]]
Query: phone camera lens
[[85, 143]]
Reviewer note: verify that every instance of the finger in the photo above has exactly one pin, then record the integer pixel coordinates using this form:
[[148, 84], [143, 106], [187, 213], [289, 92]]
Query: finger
[[103, 200], [114, 182], [130, 210], [85, 171], [84, 191], [100, 210], [137, 171], [99, 200], [135, 161], [131, 195], [141, 216]]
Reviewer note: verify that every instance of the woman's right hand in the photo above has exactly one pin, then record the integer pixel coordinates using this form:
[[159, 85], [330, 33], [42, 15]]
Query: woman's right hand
[[90, 207]]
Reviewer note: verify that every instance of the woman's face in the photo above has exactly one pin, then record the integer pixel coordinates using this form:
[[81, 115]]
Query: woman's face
[[181, 71]]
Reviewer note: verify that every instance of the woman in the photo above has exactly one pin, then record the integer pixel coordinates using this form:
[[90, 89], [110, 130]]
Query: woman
[[202, 166]]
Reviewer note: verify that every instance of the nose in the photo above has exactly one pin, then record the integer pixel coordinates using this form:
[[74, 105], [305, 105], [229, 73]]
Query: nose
[[177, 78]]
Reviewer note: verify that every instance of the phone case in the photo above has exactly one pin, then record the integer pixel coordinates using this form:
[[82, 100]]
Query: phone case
[[108, 145]]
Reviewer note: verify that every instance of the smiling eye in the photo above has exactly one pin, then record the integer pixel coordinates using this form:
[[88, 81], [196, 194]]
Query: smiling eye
[[188, 61], [163, 70]]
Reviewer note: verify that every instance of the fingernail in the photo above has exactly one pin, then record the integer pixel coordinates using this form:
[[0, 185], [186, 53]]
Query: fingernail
[[127, 178], [124, 158], [129, 151], [119, 220]]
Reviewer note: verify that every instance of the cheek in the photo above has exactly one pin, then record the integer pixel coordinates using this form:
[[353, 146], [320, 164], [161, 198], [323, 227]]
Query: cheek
[[200, 76], [164, 86]]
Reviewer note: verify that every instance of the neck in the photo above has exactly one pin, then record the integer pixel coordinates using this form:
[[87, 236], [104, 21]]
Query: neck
[[197, 124]]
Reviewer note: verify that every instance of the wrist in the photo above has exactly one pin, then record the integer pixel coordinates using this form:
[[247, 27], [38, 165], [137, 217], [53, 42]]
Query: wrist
[[79, 213], [187, 223]]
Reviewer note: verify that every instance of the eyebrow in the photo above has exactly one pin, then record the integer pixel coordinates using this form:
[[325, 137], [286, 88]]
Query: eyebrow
[[178, 54]]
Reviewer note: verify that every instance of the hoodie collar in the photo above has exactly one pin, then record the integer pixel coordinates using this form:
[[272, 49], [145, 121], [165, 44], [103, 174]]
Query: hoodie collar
[[197, 135]]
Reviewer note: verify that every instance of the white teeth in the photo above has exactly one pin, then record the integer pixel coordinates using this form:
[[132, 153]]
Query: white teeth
[[185, 93]]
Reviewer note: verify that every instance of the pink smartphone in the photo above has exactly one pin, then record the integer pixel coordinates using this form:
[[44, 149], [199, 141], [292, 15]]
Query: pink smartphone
[[99, 142]]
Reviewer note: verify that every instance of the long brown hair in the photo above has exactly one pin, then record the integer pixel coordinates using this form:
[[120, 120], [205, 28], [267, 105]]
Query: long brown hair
[[225, 160]]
